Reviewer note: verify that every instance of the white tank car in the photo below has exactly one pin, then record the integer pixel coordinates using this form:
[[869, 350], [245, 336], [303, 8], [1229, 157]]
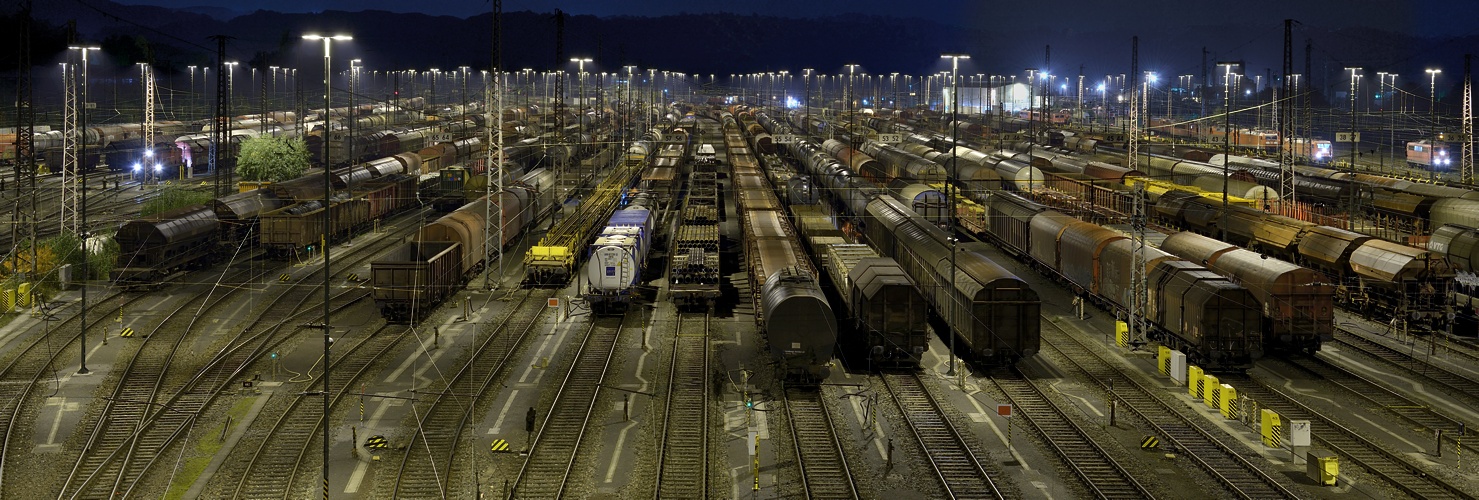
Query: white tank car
[[617, 259], [614, 264]]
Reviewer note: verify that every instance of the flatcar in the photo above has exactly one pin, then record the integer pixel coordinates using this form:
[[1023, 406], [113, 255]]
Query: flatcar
[[693, 257]]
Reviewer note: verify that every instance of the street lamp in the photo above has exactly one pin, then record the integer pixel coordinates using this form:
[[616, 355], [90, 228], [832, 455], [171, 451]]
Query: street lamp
[[352, 115], [82, 212], [852, 141], [328, 192], [580, 79], [190, 98], [1227, 75], [230, 87], [1433, 113], [1352, 204], [950, 183], [1391, 122]]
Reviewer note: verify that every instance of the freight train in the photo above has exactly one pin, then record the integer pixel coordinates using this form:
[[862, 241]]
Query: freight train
[[1298, 302], [886, 317], [792, 309], [693, 260], [1216, 322], [998, 317], [412, 279], [152, 248], [1372, 275]]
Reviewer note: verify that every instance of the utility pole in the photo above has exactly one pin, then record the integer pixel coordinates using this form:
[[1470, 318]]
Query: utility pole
[[1286, 127], [222, 119], [70, 137], [25, 147], [1307, 111], [559, 90], [495, 143], [1203, 93], [147, 77], [1466, 163], [1139, 303]]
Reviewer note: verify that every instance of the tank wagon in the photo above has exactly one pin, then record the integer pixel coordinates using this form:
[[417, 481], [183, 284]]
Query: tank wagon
[[617, 260], [792, 309]]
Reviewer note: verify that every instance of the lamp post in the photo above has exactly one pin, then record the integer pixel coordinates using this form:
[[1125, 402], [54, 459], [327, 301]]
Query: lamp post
[[950, 183], [82, 211], [1432, 113], [328, 192], [806, 82], [1391, 123], [1351, 207], [580, 78], [190, 98], [352, 115], [463, 70], [1227, 75], [851, 70], [230, 88]]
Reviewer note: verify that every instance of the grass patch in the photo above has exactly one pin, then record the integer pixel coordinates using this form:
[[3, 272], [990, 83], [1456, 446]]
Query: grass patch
[[206, 443]]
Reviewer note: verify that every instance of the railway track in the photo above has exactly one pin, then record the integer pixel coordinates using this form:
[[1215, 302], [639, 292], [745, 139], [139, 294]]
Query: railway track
[[144, 446], [427, 466], [683, 455], [106, 207], [1351, 445], [31, 364], [1099, 472], [134, 393], [270, 471], [1414, 412], [1226, 465], [1444, 378], [819, 454], [950, 456], [546, 470]]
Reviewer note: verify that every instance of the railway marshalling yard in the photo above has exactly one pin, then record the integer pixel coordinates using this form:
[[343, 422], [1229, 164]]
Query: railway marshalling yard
[[216, 392]]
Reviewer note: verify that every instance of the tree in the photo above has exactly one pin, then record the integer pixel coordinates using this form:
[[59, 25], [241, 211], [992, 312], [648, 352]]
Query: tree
[[272, 159]]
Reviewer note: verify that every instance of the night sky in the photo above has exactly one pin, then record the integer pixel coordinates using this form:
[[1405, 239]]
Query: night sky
[[1440, 18]]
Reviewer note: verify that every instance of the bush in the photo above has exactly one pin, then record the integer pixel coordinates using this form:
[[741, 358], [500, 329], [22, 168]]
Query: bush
[[173, 197], [272, 159]]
